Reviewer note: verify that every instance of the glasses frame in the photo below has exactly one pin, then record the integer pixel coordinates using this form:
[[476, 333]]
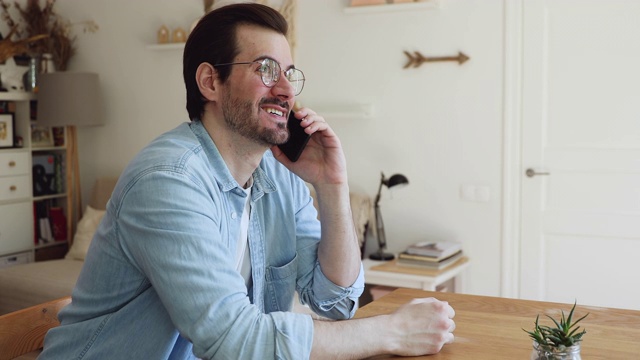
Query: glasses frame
[[263, 75]]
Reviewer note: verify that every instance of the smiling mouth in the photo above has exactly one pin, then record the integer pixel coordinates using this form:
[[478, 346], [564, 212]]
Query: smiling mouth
[[274, 111], [275, 106]]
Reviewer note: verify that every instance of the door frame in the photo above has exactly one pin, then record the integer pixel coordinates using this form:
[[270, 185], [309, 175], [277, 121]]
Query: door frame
[[512, 149]]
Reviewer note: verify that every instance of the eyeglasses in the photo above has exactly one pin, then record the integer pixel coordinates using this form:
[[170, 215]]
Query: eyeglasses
[[270, 73]]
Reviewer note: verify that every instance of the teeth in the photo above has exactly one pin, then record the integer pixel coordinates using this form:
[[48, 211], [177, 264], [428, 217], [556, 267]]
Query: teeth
[[274, 111]]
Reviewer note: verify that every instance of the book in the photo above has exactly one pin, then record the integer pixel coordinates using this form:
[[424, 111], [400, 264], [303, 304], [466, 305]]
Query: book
[[58, 223], [424, 258], [436, 249], [419, 261], [36, 224], [46, 235], [58, 180]]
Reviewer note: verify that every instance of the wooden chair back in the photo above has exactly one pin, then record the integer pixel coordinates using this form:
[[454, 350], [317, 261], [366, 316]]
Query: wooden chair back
[[23, 331]]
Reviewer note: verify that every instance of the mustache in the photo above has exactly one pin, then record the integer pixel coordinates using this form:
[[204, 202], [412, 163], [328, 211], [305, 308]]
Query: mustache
[[275, 101]]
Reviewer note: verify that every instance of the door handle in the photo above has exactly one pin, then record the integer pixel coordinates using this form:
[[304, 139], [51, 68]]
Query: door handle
[[531, 173]]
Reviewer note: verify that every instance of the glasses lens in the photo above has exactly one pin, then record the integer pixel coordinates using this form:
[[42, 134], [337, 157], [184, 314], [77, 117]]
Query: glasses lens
[[270, 71], [296, 78]]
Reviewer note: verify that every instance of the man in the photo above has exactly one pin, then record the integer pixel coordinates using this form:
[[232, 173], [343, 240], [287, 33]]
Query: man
[[210, 229]]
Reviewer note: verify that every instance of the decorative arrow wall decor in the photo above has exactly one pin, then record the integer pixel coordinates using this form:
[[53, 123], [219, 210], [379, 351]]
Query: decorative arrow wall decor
[[416, 59]]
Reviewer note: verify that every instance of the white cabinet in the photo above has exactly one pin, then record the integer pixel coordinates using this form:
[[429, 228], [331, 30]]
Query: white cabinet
[[16, 227], [18, 204], [14, 163], [16, 211], [14, 187], [16, 259], [14, 176]]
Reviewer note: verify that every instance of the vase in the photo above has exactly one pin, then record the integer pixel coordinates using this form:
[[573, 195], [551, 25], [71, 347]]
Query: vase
[[564, 353], [31, 76], [46, 65]]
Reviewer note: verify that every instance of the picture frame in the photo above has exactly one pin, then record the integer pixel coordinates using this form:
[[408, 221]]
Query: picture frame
[[41, 136], [7, 132]]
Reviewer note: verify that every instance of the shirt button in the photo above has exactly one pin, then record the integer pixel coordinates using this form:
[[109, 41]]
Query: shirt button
[[234, 215]]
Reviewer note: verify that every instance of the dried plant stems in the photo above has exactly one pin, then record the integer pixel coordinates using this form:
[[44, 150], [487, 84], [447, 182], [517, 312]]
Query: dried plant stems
[[45, 21]]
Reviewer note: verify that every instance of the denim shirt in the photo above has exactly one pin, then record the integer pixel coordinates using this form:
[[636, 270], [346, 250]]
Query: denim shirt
[[159, 279]]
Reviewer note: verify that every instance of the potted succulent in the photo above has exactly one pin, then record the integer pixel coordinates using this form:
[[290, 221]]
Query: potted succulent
[[560, 341]]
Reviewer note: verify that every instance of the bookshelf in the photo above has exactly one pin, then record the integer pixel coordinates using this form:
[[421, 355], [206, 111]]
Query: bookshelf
[[50, 196], [39, 161]]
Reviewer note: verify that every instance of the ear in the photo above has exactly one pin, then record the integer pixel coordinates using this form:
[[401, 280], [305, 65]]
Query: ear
[[208, 81]]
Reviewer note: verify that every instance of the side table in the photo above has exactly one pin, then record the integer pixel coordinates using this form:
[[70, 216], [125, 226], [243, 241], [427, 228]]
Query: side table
[[388, 273]]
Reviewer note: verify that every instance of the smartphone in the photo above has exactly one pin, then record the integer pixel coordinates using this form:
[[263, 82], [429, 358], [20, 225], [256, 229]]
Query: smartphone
[[298, 139]]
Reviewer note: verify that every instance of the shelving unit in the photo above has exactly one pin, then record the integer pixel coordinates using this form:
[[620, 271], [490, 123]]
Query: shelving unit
[[410, 6], [58, 199], [18, 217]]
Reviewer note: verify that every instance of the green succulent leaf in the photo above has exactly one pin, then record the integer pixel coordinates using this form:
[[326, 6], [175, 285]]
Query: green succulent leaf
[[563, 333]]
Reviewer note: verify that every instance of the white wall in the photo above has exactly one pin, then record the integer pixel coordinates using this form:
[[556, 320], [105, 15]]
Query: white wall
[[440, 124]]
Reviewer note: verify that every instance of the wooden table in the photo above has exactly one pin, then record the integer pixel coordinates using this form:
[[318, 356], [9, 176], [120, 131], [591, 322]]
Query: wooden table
[[491, 328]]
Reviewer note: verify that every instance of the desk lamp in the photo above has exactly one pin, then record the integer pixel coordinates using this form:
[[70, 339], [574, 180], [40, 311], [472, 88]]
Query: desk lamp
[[70, 99], [394, 180]]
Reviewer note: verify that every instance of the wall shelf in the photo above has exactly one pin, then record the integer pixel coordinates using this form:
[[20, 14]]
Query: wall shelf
[[50, 244], [345, 111], [161, 47], [425, 4], [16, 96], [48, 148], [49, 197]]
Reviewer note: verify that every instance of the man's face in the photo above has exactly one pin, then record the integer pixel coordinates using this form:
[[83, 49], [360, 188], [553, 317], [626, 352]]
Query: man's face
[[250, 108]]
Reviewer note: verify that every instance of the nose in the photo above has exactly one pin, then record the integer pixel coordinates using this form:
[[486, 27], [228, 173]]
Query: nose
[[283, 88]]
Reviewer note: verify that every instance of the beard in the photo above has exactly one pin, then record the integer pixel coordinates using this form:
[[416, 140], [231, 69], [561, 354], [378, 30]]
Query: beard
[[239, 116]]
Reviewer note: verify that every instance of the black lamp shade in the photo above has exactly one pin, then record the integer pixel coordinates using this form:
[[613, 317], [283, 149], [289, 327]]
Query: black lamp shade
[[397, 179]]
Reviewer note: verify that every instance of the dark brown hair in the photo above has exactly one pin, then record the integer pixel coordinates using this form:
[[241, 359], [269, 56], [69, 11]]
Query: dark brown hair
[[213, 40]]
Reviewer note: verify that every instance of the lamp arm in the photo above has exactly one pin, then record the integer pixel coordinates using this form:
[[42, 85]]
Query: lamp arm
[[382, 238], [377, 200]]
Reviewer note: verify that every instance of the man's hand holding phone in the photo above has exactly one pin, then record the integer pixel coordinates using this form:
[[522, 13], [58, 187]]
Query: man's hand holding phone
[[298, 138], [317, 151]]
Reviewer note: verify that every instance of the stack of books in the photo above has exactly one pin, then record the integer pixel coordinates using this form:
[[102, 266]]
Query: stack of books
[[435, 255]]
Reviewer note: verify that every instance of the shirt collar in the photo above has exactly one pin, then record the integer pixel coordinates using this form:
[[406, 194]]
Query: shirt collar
[[261, 182]]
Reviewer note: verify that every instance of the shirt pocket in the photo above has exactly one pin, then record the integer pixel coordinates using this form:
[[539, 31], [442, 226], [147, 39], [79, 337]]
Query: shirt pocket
[[281, 285]]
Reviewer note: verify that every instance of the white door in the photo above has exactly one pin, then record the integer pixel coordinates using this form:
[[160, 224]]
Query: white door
[[580, 225]]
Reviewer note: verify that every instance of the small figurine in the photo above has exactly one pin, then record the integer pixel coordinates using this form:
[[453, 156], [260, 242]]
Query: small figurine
[[11, 75], [163, 35], [179, 35]]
